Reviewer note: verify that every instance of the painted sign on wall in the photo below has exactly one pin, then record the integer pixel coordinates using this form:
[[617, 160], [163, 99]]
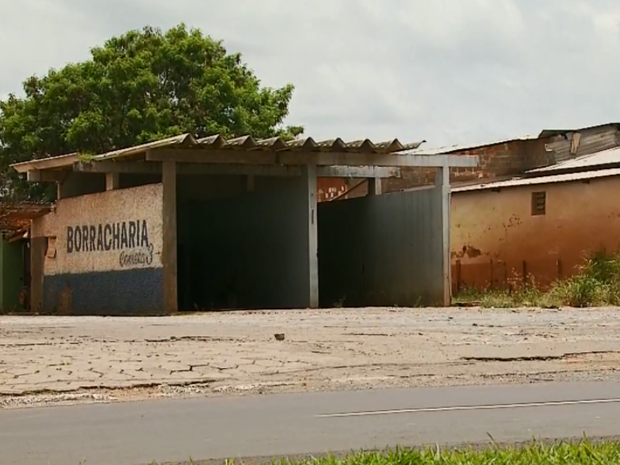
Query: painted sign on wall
[[131, 238], [113, 230]]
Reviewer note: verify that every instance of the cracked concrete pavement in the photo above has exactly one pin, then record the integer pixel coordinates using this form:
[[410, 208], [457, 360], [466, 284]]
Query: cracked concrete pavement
[[90, 359]]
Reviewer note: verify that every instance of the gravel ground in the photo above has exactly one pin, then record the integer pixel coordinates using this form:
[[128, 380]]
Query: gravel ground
[[60, 360]]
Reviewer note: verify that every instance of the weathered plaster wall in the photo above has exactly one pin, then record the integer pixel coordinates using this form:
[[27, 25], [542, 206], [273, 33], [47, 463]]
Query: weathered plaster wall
[[495, 237], [101, 253]]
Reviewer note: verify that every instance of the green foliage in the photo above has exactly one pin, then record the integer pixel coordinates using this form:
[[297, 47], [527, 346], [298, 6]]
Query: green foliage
[[136, 88], [567, 453], [596, 284], [521, 296]]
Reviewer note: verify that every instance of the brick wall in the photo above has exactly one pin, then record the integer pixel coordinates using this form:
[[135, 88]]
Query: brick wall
[[506, 159], [499, 160], [329, 188]]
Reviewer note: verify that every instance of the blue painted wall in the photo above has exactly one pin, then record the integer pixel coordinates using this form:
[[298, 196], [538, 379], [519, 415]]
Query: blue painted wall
[[105, 293]]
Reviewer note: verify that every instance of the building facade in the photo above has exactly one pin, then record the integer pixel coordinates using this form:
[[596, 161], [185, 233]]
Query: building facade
[[538, 228], [186, 224], [100, 251]]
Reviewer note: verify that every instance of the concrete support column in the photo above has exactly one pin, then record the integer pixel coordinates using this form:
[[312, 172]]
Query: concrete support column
[[442, 184], [310, 188], [65, 188], [169, 252], [38, 245], [112, 181], [374, 186]]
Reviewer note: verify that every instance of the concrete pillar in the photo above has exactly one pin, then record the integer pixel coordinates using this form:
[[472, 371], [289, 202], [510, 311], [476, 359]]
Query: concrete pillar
[[38, 245], [310, 193], [374, 186], [442, 184], [169, 252], [112, 181]]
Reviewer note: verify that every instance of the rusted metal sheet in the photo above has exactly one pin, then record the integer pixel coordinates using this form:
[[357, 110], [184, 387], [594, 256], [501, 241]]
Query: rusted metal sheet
[[497, 242], [579, 143], [15, 216]]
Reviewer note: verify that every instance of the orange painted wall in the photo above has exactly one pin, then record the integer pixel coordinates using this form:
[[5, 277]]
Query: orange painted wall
[[495, 238]]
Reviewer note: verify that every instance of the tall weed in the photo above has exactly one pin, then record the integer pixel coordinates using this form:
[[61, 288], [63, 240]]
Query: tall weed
[[596, 284]]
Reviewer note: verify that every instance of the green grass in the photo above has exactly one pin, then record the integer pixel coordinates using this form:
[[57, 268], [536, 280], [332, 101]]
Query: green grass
[[596, 285], [584, 452]]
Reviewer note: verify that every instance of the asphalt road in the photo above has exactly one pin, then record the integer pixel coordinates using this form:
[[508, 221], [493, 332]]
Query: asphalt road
[[291, 424]]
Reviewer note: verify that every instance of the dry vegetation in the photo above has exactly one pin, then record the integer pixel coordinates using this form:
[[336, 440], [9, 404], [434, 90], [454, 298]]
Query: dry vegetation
[[596, 285]]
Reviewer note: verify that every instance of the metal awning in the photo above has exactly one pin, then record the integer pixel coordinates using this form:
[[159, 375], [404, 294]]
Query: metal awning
[[217, 150]]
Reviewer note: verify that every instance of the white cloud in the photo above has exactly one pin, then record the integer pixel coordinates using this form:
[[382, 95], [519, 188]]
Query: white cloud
[[449, 71]]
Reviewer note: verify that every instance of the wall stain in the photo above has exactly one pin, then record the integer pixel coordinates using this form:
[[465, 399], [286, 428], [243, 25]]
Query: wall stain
[[467, 251]]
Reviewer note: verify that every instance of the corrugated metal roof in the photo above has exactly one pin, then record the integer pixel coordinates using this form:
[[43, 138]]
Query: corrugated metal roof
[[581, 176], [67, 159], [238, 144], [584, 142], [557, 132], [183, 139], [544, 134], [462, 147], [247, 143], [606, 157]]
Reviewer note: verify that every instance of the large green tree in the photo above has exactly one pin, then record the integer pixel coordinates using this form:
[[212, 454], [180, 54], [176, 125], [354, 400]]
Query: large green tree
[[141, 86]]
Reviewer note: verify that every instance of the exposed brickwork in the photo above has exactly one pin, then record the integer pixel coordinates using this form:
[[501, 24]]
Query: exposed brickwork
[[505, 159], [329, 188]]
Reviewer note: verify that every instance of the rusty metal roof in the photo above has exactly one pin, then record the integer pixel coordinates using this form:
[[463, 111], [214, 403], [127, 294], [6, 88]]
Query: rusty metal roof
[[556, 132], [235, 145], [604, 158], [15, 216], [543, 134], [568, 177]]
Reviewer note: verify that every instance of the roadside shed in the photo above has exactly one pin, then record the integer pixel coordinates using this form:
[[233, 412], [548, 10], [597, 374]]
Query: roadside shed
[[187, 224], [15, 218]]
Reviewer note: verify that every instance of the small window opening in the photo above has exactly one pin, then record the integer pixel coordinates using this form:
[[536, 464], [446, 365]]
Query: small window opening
[[539, 203]]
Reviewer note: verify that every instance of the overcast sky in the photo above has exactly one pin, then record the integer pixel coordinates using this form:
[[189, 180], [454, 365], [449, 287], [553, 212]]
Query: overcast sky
[[449, 71]]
